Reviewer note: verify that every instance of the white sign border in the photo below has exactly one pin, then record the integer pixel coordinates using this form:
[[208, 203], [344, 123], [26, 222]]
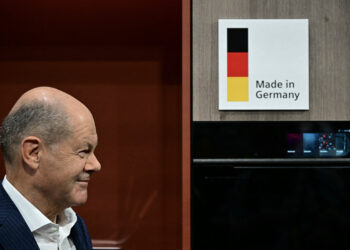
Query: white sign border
[[223, 24]]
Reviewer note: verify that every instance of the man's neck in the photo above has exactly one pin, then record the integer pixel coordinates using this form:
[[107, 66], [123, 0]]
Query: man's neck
[[37, 201]]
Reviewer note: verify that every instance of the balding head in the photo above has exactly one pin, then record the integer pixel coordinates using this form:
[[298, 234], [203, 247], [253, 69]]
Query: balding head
[[44, 112], [48, 142], [49, 96]]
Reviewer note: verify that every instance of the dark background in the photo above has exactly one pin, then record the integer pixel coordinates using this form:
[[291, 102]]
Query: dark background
[[123, 60]]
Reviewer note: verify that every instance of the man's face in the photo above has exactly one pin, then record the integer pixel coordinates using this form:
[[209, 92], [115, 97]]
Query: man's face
[[66, 168]]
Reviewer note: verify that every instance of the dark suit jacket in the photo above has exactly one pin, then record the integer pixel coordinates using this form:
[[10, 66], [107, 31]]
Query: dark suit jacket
[[15, 234]]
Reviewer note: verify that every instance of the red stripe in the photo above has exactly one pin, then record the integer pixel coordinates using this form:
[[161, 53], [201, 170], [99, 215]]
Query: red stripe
[[237, 64]]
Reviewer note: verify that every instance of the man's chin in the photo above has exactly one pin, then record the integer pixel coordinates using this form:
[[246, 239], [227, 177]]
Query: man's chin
[[77, 204], [80, 199]]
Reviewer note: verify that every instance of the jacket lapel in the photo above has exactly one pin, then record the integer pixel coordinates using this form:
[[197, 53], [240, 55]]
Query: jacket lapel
[[76, 237], [14, 232], [80, 235]]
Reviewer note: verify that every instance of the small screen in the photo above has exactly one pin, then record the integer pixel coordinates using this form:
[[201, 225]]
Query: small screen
[[258, 140], [318, 144]]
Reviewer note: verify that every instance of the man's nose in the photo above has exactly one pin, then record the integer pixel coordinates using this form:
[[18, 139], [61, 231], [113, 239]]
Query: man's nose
[[93, 164]]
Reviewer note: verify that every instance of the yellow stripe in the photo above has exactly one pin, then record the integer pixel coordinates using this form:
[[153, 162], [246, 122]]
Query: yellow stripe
[[237, 89]]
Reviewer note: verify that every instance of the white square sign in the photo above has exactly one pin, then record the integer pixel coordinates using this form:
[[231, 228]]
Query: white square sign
[[263, 64]]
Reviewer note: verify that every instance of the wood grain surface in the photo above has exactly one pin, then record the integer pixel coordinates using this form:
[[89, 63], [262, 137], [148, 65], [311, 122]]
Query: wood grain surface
[[329, 54], [186, 125]]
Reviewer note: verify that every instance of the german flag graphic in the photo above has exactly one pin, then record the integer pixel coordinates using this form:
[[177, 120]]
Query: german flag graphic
[[237, 65]]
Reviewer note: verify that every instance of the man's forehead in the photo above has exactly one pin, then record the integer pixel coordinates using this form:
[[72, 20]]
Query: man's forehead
[[89, 141]]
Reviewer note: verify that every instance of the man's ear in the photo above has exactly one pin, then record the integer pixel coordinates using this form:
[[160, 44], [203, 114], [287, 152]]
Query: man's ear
[[30, 149]]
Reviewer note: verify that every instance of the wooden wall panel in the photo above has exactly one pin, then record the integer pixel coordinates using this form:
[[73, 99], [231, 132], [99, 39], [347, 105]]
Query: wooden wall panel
[[329, 29], [123, 59], [134, 202], [186, 124]]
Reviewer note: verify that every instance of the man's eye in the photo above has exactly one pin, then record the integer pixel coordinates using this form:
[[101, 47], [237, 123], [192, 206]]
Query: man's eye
[[83, 153]]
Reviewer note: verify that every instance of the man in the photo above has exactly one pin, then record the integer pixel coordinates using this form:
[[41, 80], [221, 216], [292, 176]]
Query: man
[[48, 142]]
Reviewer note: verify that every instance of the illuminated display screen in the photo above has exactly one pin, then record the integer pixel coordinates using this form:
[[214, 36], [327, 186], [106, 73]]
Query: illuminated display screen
[[318, 144], [253, 140]]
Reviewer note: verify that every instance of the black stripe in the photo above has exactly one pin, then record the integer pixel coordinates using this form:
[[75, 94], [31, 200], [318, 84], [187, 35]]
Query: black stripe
[[237, 40]]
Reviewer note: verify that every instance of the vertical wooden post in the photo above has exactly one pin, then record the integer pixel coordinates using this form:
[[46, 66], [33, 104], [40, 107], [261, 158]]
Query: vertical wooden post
[[186, 123]]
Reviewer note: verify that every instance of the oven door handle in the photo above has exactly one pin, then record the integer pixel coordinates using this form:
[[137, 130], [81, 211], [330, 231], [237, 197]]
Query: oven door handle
[[302, 162]]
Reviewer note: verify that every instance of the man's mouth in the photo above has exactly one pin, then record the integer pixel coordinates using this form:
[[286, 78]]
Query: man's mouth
[[83, 180]]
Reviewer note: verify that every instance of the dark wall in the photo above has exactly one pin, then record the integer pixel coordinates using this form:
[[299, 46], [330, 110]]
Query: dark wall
[[122, 59]]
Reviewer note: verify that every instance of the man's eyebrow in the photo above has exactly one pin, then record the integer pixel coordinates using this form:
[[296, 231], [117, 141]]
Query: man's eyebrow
[[87, 142], [90, 145]]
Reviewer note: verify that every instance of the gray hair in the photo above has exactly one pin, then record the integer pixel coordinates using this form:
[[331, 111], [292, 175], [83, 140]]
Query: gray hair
[[45, 121]]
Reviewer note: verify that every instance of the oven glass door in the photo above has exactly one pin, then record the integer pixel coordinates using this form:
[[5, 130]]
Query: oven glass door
[[255, 207]]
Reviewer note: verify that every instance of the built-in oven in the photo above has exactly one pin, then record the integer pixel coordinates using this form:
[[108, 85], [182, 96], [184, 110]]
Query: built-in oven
[[270, 185]]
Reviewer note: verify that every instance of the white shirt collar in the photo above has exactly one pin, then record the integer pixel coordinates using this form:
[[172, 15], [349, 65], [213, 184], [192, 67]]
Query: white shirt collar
[[32, 216]]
